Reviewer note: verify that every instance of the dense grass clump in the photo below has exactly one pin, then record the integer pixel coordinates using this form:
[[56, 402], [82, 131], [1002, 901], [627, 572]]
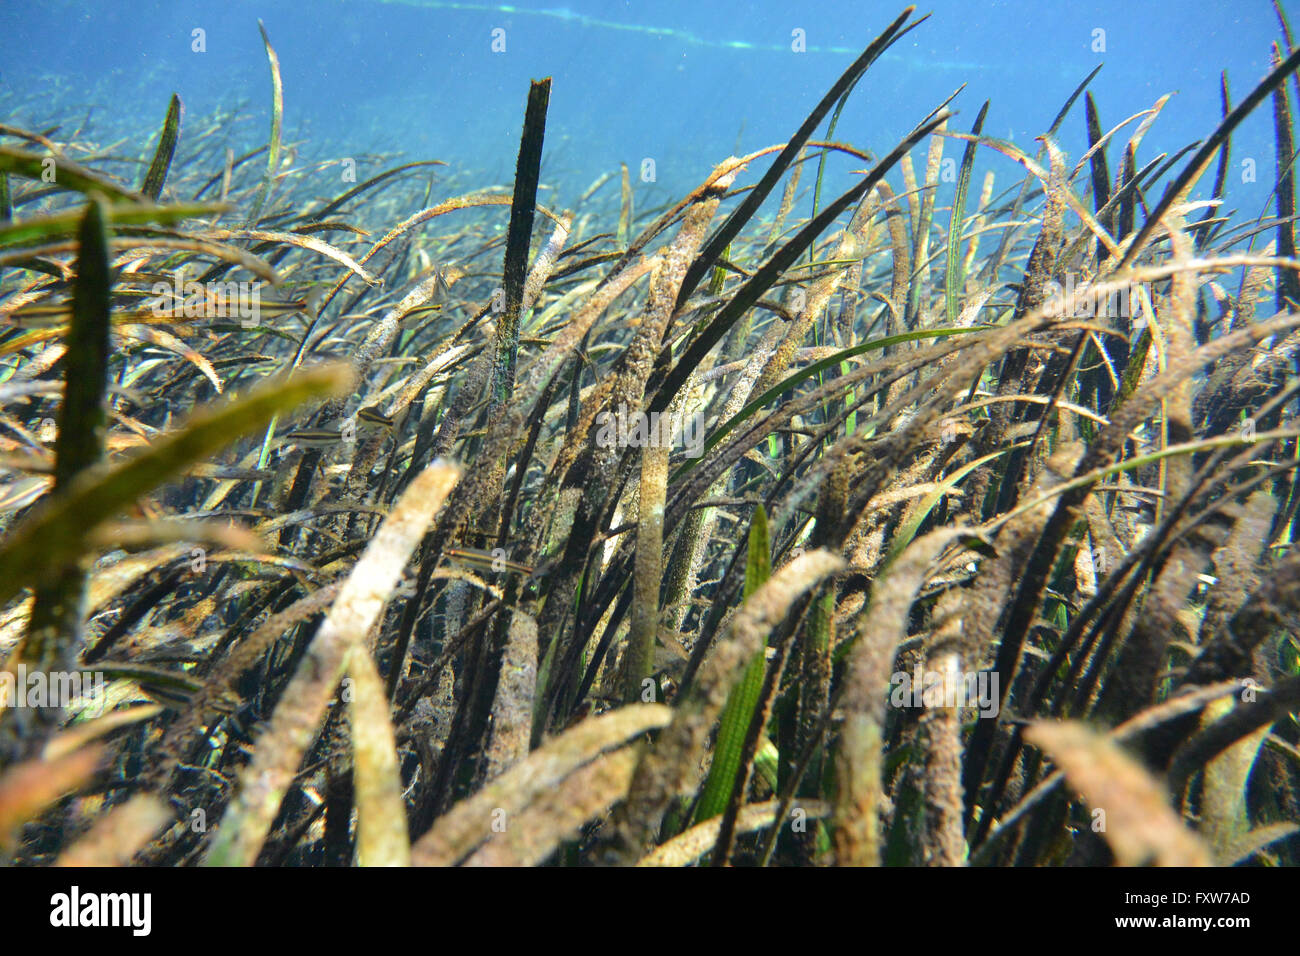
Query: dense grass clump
[[424, 522]]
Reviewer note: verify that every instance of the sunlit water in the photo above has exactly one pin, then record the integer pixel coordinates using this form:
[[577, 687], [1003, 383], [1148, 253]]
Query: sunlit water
[[669, 88]]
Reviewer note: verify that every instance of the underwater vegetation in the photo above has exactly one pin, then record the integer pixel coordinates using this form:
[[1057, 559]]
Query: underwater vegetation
[[429, 522]]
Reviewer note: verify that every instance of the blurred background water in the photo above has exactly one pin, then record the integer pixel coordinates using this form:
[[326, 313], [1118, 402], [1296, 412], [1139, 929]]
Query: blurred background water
[[682, 82]]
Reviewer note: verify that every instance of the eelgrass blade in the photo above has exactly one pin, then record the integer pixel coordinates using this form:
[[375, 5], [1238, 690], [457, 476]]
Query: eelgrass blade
[[317, 215], [82, 418], [694, 843], [1200, 232], [859, 760], [522, 211], [162, 157], [739, 708], [513, 704], [821, 160], [1070, 101], [1256, 840], [277, 123], [1284, 24], [1128, 195], [954, 279], [625, 211], [1100, 168], [382, 839], [1224, 816], [647, 574]]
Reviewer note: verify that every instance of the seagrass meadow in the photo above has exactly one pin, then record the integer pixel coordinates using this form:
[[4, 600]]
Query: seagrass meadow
[[432, 520]]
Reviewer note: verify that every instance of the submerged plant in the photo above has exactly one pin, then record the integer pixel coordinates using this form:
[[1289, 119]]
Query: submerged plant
[[981, 550]]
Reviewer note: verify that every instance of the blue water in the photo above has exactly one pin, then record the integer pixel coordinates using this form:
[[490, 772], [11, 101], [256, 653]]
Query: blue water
[[684, 83]]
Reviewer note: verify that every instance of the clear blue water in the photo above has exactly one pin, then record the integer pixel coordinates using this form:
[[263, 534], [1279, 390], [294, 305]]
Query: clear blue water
[[683, 82]]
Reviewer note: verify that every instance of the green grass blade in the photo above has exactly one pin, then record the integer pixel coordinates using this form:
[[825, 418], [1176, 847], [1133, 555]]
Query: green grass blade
[[162, 157], [739, 708]]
